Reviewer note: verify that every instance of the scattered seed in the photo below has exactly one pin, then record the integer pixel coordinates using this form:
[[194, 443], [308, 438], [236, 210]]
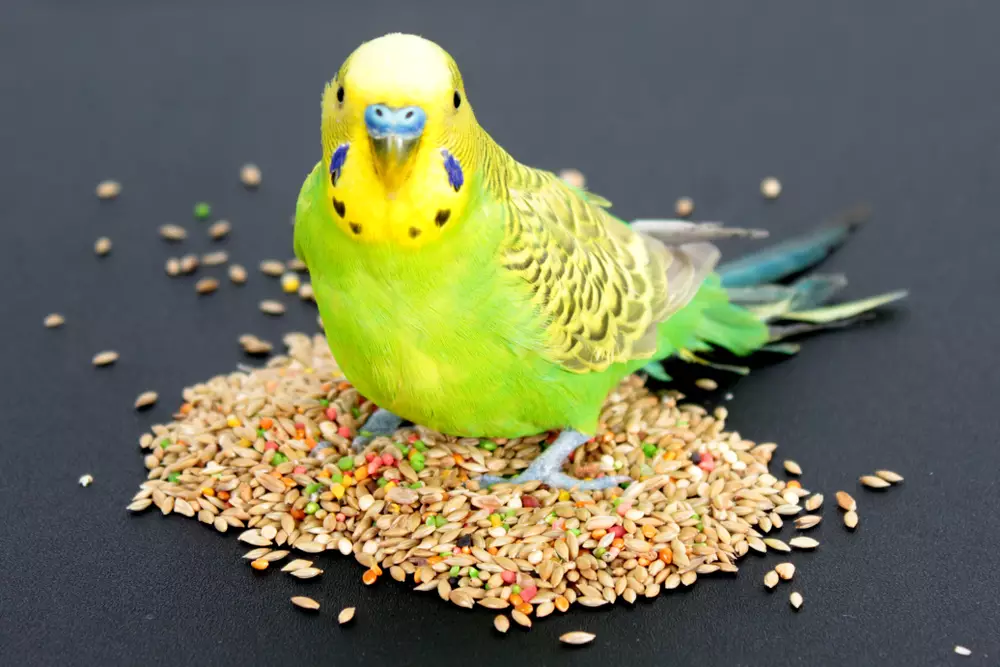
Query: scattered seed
[[86, 480], [792, 468], [54, 320], [237, 274], [305, 603], [770, 187], [573, 177], [105, 358], [802, 542], [577, 638], [785, 570], [684, 207], [259, 564], [146, 399], [102, 246], [216, 258], [776, 544], [889, 476], [173, 267], [708, 384], [290, 283], [220, 229], [173, 232], [501, 623], [346, 615], [295, 264], [846, 502], [873, 482], [808, 521], [272, 267], [520, 618], [297, 564], [108, 189], [250, 175], [272, 307], [189, 264], [961, 650], [307, 573], [814, 502], [771, 579], [851, 519], [253, 345], [796, 599], [306, 292], [206, 285]]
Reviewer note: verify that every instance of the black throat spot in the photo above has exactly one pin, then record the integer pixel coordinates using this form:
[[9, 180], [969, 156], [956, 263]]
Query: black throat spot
[[339, 207], [442, 216], [355, 227]]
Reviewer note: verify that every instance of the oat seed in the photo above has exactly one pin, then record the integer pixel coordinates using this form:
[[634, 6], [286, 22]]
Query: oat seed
[[792, 468], [577, 638], [851, 519], [889, 476], [684, 207], [272, 267], [501, 623], [346, 615], [707, 384], [795, 599], [237, 274], [145, 399], [206, 285], [802, 542], [108, 189], [250, 175], [86, 480], [220, 229], [272, 307], [217, 258], [102, 246], [771, 579], [305, 602], [172, 232], [873, 482], [54, 320], [105, 358], [770, 187], [785, 570]]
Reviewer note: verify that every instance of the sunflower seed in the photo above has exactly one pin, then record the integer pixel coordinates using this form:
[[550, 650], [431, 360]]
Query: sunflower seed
[[785, 570], [206, 285], [102, 246], [272, 267], [345, 616], [250, 175], [889, 476], [146, 399], [873, 482], [219, 230], [802, 542], [771, 579], [795, 599], [105, 358], [813, 502], [272, 307], [808, 521], [684, 207], [770, 187], [86, 480], [851, 519], [108, 189], [172, 232], [54, 320], [577, 638], [501, 623], [217, 258], [792, 468], [305, 603], [846, 502], [237, 274]]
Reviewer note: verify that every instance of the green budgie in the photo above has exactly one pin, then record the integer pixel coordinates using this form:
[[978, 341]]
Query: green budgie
[[480, 297]]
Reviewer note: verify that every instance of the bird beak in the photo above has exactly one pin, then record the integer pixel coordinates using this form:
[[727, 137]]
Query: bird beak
[[395, 135]]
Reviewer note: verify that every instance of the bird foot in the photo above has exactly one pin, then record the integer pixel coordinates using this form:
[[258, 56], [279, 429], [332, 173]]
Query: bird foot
[[547, 468], [382, 422]]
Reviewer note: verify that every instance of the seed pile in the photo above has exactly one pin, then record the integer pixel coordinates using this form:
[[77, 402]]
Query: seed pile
[[266, 453]]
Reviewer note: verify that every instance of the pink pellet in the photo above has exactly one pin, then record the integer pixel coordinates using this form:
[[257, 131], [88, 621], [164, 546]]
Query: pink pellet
[[341, 517], [618, 531], [528, 592], [387, 459], [529, 501], [623, 508], [331, 413], [344, 432], [374, 465], [270, 444], [508, 576], [707, 463], [299, 470], [370, 456]]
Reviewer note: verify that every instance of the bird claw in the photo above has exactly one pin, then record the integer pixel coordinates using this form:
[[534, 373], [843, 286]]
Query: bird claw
[[381, 423]]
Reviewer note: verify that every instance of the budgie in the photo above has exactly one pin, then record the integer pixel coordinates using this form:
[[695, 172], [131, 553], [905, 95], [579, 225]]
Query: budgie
[[480, 297]]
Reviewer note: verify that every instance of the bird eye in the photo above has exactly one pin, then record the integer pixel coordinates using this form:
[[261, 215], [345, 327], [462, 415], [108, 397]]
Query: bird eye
[[340, 94], [457, 100]]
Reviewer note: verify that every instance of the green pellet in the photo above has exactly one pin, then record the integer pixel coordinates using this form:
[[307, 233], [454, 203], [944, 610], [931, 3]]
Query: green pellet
[[173, 477], [346, 463], [488, 445], [649, 449], [202, 210], [515, 589], [325, 403], [164, 443], [313, 488], [420, 445], [417, 462], [474, 573], [382, 481], [278, 459], [356, 412], [336, 478], [312, 508], [453, 572]]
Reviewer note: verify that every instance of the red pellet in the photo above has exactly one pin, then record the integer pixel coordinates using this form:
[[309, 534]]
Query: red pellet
[[387, 459], [270, 444], [508, 576], [331, 413], [344, 432]]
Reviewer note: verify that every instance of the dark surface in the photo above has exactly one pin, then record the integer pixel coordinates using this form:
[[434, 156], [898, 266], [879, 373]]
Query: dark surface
[[843, 102]]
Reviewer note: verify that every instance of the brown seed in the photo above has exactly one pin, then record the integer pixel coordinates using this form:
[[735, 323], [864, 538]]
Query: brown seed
[[889, 476], [105, 358], [108, 189], [573, 177], [272, 267], [808, 521], [792, 468], [813, 502], [146, 399], [846, 502], [172, 232], [189, 264], [770, 187], [206, 285], [345, 616], [216, 258], [173, 267], [771, 579], [54, 320], [802, 542], [305, 603], [272, 307], [237, 274], [250, 175], [873, 482], [795, 599], [684, 207], [708, 384], [501, 623], [851, 519], [785, 570], [219, 230], [102, 246], [577, 638]]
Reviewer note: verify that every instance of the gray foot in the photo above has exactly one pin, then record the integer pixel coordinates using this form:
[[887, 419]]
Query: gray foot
[[547, 468], [382, 422]]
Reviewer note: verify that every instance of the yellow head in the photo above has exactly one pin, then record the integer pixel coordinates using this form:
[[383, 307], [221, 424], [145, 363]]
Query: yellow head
[[400, 142]]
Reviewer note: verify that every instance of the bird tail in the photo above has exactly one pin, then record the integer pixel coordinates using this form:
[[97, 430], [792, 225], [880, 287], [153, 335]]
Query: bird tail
[[748, 305]]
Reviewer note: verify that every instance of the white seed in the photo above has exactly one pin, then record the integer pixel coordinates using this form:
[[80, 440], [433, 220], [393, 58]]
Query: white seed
[[189, 264], [305, 603], [216, 258], [961, 650], [684, 207], [237, 274], [272, 307], [792, 468], [272, 267], [796, 599], [889, 476], [573, 177], [771, 579], [172, 232], [250, 175], [105, 358], [346, 615], [813, 502], [770, 187], [577, 638], [54, 320], [173, 267], [86, 480], [108, 189], [102, 246], [146, 399], [297, 564], [846, 501], [803, 542], [306, 292], [307, 573], [520, 618], [501, 623], [785, 570], [873, 482], [851, 519]]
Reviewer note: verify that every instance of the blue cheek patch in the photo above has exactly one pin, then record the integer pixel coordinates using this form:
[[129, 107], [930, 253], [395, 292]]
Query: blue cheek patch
[[337, 162], [455, 176]]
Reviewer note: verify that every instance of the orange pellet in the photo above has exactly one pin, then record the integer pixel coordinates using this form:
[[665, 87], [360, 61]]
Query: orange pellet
[[794, 484], [515, 600], [259, 564], [323, 473], [369, 577], [466, 550], [562, 604], [598, 534], [325, 386], [288, 482], [361, 473], [524, 608], [618, 543], [266, 423], [458, 458], [649, 531], [643, 561], [223, 495], [310, 443], [670, 456], [344, 385], [377, 570], [186, 408], [667, 556], [434, 560], [493, 551], [208, 491], [298, 515]]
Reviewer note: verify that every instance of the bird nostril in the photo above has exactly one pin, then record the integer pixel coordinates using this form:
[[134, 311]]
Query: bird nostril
[[409, 114], [378, 112]]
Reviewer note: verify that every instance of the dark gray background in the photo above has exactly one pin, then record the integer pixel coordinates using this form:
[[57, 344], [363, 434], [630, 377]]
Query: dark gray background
[[844, 101]]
